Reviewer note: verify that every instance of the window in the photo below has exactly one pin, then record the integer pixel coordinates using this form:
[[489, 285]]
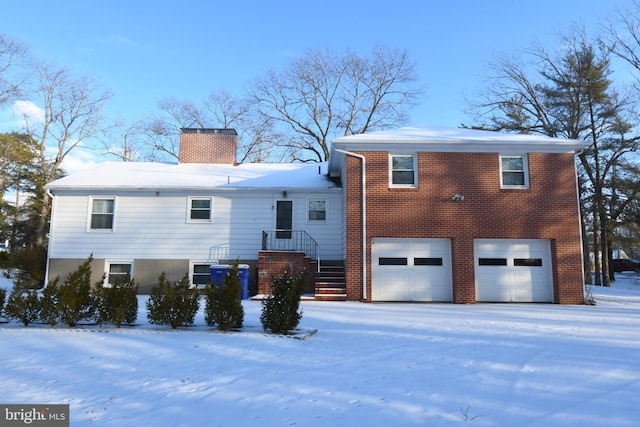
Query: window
[[513, 171], [200, 274], [102, 211], [200, 209], [428, 261], [492, 261], [527, 262], [392, 261], [118, 271], [317, 209], [403, 171]]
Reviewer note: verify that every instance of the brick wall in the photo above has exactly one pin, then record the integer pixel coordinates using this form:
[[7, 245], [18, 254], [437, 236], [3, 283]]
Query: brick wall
[[275, 263], [208, 146], [547, 210]]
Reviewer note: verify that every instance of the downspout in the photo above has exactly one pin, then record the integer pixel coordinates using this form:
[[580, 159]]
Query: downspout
[[575, 168], [364, 218], [46, 269]]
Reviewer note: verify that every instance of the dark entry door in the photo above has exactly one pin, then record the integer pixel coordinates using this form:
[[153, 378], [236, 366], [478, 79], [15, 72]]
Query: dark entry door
[[284, 219]]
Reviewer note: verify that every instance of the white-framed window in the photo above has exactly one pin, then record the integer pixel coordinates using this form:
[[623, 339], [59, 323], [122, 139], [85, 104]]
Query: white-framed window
[[317, 210], [118, 270], [102, 213], [514, 171], [200, 209], [403, 170], [200, 273]]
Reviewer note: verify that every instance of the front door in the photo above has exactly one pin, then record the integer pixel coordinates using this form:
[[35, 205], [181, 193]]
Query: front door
[[284, 219]]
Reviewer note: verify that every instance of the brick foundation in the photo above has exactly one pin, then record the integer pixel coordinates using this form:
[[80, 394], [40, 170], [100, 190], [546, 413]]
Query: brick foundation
[[275, 263]]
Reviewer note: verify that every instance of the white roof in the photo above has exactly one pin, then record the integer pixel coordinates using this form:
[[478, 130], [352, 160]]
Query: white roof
[[447, 139], [196, 176]]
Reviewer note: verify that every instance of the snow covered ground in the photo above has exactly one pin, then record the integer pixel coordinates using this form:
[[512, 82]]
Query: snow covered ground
[[368, 365]]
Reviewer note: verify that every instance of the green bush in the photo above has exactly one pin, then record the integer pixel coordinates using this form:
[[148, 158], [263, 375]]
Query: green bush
[[174, 305], [24, 305], [280, 309], [49, 302], [75, 300], [117, 304], [223, 306], [3, 295]]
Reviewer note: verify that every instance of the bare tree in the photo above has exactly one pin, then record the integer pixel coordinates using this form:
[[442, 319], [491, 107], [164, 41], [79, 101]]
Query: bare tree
[[14, 61], [323, 94], [72, 113]]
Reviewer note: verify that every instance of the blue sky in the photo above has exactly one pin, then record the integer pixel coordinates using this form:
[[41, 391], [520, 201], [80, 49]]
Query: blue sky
[[145, 51]]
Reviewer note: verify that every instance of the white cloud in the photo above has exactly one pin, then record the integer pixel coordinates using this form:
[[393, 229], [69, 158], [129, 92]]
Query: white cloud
[[28, 110]]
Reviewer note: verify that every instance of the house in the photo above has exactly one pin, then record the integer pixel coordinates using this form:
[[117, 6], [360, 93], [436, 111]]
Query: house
[[458, 215], [413, 214], [146, 218]]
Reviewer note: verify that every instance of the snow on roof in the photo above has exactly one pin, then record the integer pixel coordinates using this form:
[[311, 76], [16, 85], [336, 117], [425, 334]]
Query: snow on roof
[[151, 175], [448, 139], [424, 134]]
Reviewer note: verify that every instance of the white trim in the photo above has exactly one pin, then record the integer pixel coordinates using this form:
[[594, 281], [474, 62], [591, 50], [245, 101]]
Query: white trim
[[109, 262], [90, 215], [198, 220], [525, 166], [192, 264], [415, 171], [326, 210]]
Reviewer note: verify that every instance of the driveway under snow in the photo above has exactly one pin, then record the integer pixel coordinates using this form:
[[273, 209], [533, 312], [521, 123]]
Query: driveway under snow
[[368, 365]]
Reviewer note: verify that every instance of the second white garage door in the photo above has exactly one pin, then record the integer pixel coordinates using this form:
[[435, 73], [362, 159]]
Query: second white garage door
[[513, 270], [411, 270]]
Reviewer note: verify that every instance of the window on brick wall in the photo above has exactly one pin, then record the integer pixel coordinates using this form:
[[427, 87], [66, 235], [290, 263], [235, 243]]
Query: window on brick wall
[[514, 172], [403, 171]]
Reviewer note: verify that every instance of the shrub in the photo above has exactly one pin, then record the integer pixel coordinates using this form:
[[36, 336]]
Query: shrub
[[49, 302], [280, 309], [24, 305], [3, 295], [117, 304], [174, 305], [75, 300], [223, 306]]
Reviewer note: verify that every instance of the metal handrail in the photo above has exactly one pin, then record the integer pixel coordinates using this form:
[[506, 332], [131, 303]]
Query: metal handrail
[[290, 240]]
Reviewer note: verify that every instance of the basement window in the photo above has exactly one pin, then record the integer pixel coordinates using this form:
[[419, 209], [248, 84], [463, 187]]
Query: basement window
[[118, 271]]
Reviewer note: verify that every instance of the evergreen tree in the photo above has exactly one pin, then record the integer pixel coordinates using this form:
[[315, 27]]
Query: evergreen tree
[[49, 303], [223, 306], [24, 305], [173, 305], [75, 301], [280, 313], [118, 303], [3, 295]]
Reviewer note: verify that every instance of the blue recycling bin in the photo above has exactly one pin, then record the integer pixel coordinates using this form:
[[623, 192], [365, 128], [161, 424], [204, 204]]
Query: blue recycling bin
[[219, 271], [243, 270]]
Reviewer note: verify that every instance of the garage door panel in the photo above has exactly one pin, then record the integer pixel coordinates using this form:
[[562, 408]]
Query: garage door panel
[[522, 275], [411, 270]]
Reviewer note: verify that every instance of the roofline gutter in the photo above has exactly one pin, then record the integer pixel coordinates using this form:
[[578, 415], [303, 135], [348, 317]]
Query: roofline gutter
[[364, 217]]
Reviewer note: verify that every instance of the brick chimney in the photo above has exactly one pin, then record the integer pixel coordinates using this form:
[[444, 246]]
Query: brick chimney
[[198, 145]]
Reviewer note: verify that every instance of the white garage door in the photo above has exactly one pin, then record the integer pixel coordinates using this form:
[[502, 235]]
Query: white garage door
[[411, 270], [513, 270]]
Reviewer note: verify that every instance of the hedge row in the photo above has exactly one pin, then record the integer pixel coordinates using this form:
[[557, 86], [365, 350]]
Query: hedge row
[[172, 304]]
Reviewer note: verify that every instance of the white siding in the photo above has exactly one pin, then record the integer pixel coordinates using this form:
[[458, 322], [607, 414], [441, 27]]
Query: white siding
[[155, 227]]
